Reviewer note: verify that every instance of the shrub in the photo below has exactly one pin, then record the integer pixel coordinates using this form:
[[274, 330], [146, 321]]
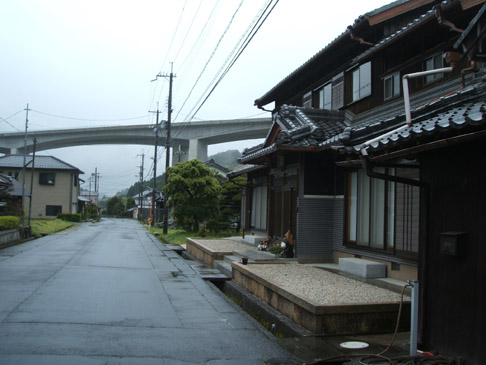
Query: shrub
[[70, 217], [9, 222]]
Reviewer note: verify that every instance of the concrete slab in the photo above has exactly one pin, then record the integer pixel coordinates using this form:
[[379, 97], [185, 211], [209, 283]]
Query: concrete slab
[[362, 268]]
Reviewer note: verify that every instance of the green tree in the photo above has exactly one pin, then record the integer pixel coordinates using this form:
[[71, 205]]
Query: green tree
[[230, 202], [115, 206], [193, 192]]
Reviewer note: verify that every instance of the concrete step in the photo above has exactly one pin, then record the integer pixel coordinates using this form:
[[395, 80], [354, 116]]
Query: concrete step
[[224, 267], [231, 258], [253, 240], [255, 255], [210, 274], [362, 268], [391, 284]]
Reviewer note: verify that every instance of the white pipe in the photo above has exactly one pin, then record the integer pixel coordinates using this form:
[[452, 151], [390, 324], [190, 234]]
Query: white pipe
[[406, 93], [406, 101], [414, 317]]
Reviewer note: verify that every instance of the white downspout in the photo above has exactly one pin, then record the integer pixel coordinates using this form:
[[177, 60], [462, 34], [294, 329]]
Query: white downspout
[[406, 93], [406, 101]]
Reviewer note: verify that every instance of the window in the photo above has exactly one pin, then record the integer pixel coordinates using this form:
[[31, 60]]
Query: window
[[337, 91], [433, 63], [381, 214], [331, 96], [325, 97], [47, 178], [53, 210], [307, 100], [362, 81], [259, 207], [391, 86]]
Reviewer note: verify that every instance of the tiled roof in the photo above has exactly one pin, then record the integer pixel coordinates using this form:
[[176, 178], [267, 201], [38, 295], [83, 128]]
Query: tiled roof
[[41, 162], [11, 186], [243, 170], [401, 32], [263, 100], [463, 110], [300, 128]]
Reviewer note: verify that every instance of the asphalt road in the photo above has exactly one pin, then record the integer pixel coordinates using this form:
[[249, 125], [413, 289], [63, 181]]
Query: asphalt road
[[109, 293]]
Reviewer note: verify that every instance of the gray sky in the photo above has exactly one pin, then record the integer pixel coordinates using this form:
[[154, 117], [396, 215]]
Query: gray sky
[[94, 60]]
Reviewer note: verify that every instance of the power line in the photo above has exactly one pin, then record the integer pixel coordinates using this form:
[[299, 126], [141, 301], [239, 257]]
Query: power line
[[6, 121], [188, 31], [211, 56], [250, 33], [87, 120], [242, 48]]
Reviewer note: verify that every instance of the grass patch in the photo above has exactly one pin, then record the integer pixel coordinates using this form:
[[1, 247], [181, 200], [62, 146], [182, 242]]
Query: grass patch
[[178, 236], [41, 227]]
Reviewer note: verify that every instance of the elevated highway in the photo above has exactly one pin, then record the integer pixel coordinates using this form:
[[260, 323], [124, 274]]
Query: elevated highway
[[190, 138]]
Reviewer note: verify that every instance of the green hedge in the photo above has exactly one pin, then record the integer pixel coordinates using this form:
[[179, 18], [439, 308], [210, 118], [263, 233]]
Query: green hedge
[[9, 222], [70, 217]]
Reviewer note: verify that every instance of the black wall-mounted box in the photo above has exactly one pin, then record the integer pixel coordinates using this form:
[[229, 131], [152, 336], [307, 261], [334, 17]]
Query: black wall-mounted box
[[453, 243]]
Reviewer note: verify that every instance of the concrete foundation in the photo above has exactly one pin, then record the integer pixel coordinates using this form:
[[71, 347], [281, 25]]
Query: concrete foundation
[[323, 319]]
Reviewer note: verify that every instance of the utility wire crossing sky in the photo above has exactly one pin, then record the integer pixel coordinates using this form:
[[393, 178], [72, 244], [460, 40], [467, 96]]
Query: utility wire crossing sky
[[90, 63]]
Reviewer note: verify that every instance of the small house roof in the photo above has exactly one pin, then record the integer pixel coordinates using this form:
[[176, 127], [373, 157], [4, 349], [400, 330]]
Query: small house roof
[[41, 162]]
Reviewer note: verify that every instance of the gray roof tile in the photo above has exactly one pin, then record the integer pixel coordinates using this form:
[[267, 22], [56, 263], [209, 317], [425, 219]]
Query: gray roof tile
[[41, 162]]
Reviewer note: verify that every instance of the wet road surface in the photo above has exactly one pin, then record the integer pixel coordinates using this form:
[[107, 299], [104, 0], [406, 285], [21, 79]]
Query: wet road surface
[[110, 293]]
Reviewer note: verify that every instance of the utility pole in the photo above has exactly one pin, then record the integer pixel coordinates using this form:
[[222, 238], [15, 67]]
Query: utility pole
[[96, 179], [167, 141], [23, 166], [140, 192], [156, 130], [32, 180], [167, 150]]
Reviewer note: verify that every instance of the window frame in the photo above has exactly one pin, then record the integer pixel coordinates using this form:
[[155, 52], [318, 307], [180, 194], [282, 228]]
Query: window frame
[[307, 100], [430, 64], [361, 86], [331, 94], [358, 221], [259, 211], [395, 89], [55, 208], [47, 178]]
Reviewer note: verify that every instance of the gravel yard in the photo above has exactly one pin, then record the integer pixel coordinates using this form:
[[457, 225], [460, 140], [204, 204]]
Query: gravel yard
[[316, 285], [323, 287]]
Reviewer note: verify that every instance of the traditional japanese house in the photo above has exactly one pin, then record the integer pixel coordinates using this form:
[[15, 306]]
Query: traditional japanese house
[[361, 165]]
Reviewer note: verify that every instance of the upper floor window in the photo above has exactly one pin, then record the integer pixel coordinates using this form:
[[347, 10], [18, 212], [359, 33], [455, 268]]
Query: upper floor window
[[433, 63], [391, 86], [362, 81], [331, 96], [307, 100], [47, 178]]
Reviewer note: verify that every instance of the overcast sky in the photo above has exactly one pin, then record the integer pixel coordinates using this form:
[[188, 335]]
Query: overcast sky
[[90, 63]]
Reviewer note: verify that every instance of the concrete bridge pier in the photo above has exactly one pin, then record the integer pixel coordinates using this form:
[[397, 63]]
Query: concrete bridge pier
[[185, 150], [198, 149]]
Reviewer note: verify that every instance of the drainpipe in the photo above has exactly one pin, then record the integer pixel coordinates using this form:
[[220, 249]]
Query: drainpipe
[[406, 92], [424, 192]]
